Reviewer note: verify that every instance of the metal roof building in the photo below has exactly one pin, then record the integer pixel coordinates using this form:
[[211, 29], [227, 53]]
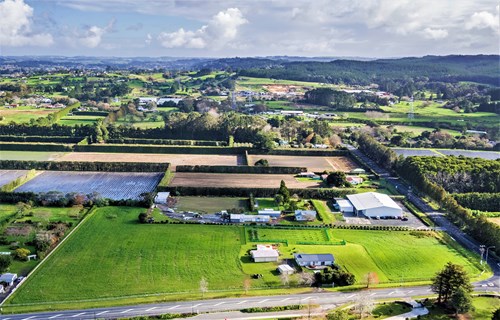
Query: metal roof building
[[373, 204]]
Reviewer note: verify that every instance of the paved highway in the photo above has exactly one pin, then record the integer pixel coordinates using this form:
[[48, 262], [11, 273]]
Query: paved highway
[[325, 299]]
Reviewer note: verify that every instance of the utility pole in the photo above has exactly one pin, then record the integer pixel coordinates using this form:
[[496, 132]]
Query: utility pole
[[481, 250]]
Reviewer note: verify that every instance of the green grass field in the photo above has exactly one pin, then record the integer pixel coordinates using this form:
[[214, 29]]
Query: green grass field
[[324, 211], [23, 114], [208, 204], [79, 120], [112, 256], [30, 155]]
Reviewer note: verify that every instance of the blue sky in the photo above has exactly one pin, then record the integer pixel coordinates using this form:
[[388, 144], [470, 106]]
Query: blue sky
[[221, 28]]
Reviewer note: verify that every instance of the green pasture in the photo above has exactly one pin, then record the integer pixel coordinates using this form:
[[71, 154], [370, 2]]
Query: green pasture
[[209, 204], [114, 258], [324, 211], [30, 155], [79, 120], [23, 114], [111, 255]]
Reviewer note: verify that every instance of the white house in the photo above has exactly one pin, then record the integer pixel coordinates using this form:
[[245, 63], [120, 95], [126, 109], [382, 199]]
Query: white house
[[373, 204], [162, 197], [305, 215], [8, 278], [358, 171], [241, 218], [285, 269], [264, 253], [314, 260], [270, 212], [344, 206], [354, 180], [163, 100], [143, 101]]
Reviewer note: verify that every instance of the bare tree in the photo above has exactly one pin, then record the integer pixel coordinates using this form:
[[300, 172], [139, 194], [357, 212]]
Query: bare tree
[[247, 284], [285, 279], [203, 286], [364, 305], [306, 278], [371, 279]]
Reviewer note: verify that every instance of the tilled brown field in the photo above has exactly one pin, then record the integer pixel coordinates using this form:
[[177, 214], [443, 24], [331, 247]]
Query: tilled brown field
[[315, 164], [195, 179], [173, 159]]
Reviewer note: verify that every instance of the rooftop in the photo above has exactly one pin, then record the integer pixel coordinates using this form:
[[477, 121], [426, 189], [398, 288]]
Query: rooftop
[[369, 200], [313, 257]]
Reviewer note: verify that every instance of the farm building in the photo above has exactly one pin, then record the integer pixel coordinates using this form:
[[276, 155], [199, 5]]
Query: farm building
[[314, 260], [241, 218], [8, 278], [162, 197], [373, 204], [285, 269], [163, 100], [264, 253], [146, 100], [307, 175], [270, 212], [305, 215], [344, 206], [358, 171], [292, 112], [354, 180]]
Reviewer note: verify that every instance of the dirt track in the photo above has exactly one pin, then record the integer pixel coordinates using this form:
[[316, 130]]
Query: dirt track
[[194, 179]]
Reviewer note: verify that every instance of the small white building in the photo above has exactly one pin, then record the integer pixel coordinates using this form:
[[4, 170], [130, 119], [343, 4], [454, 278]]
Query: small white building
[[314, 260], [354, 180], [264, 253], [270, 212], [358, 171], [374, 204], [242, 218], [8, 278], [305, 215], [285, 269], [345, 206], [162, 197]]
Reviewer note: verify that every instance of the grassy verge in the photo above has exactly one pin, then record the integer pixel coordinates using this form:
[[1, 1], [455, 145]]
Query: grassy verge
[[419, 214], [324, 212]]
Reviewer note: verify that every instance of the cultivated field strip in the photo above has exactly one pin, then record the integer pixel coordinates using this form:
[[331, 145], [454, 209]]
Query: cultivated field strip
[[312, 163], [7, 176], [111, 185]]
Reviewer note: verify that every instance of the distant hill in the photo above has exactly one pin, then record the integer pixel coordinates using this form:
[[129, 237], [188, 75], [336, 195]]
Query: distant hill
[[478, 68]]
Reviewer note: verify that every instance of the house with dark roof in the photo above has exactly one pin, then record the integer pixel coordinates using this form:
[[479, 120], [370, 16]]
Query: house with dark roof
[[314, 260]]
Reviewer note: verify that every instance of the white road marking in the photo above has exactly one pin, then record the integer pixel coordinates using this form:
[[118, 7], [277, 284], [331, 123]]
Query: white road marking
[[78, 314], [151, 309], [410, 291], [218, 304], [177, 306], [125, 311], [98, 314], [352, 295], [429, 290], [391, 293], [242, 302], [263, 301], [196, 305], [29, 318], [57, 315], [285, 299], [373, 294]]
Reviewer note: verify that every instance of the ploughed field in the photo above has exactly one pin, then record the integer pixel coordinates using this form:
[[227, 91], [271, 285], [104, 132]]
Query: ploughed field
[[111, 185], [7, 176], [173, 159], [407, 152], [237, 180], [312, 163]]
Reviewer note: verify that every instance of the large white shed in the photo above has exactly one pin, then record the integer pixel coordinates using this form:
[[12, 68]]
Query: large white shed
[[374, 204]]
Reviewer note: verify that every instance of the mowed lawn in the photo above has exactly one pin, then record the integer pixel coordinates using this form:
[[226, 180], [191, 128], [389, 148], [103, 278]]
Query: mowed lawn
[[111, 255]]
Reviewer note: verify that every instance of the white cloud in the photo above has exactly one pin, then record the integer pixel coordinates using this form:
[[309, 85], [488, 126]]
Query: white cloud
[[435, 34], [149, 38], [16, 24], [93, 35], [220, 30], [484, 20]]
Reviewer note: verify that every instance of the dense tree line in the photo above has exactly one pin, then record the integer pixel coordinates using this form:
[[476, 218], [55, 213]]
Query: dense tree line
[[330, 98], [83, 166], [479, 201], [381, 154], [25, 129]]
